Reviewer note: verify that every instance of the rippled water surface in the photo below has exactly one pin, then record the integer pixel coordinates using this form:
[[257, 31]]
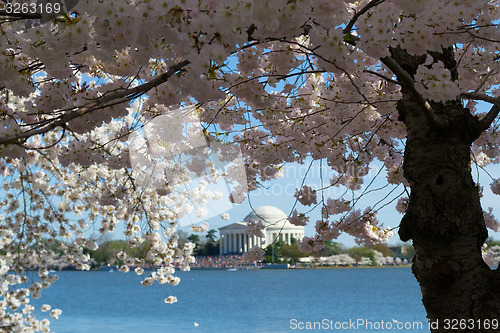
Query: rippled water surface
[[240, 301]]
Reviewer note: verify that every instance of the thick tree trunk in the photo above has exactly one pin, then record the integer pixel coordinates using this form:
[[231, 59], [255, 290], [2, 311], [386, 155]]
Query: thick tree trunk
[[444, 218]]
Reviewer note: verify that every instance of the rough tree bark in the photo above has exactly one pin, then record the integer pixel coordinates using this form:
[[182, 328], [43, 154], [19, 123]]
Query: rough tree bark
[[444, 218]]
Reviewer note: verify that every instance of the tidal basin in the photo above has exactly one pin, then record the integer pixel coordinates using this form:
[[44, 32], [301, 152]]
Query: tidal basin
[[239, 301]]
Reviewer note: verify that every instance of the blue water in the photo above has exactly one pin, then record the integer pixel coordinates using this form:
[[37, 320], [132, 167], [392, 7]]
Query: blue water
[[241, 301]]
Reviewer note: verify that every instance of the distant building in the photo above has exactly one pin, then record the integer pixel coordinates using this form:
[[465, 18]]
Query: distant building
[[234, 239]]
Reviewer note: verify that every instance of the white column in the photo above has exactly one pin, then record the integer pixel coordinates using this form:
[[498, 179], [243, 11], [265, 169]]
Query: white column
[[226, 243], [220, 245], [230, 247], [224, 246], [247, 241], [238, 242], [235, 242]]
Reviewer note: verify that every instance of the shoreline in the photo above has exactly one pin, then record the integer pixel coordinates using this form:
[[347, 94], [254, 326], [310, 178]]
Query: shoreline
[[247, 268], [233, 268]]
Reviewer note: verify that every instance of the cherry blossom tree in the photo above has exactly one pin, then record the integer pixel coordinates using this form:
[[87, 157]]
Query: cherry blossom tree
[[289, 81]]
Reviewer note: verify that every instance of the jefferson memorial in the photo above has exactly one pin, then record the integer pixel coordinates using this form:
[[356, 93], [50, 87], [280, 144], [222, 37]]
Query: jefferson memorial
[[233, 238]]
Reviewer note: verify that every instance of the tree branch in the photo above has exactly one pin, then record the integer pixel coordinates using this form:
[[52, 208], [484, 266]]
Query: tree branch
[[483, 81], [99, 103], [490, 117], [388, 79], [371, 4], [408, 82], [481, 97]]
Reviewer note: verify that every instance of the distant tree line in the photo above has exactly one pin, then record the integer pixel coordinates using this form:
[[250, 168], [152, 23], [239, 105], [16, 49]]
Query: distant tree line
[[278, 252], [107, 252], [207, 245]]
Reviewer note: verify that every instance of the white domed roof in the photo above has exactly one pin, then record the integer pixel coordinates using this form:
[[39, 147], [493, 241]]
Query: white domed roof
[[271, 217]]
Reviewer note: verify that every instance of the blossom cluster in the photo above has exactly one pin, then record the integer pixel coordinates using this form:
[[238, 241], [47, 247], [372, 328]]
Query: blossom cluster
[[255, 228], [254, 254], [299, 219], [306, 196], [491, 256], [61, 203], [490, 221], [364, 227], [434, 81]]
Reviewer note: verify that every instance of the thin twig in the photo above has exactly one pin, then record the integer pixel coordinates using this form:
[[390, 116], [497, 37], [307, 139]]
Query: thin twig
[[382, 76], [483, 81]]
